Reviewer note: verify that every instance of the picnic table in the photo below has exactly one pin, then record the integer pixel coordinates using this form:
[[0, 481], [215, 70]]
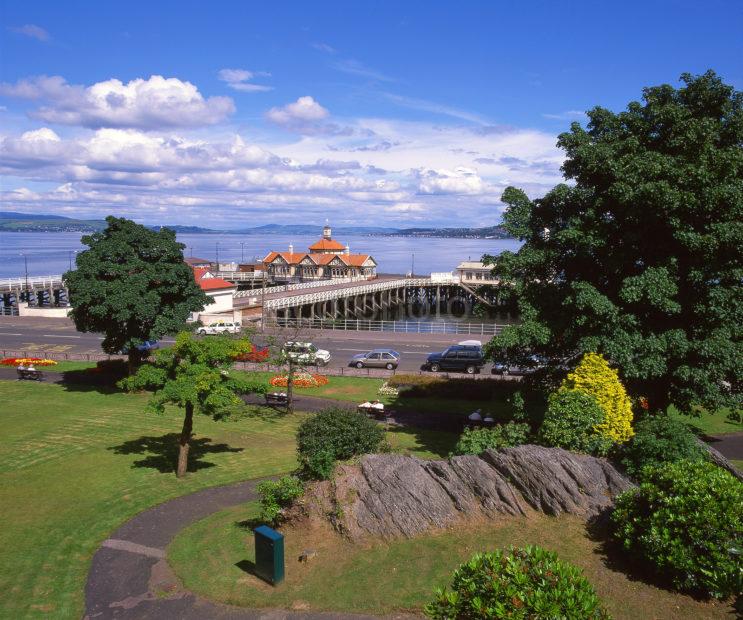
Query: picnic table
[[277, 399], [29, 374], [374, 408]]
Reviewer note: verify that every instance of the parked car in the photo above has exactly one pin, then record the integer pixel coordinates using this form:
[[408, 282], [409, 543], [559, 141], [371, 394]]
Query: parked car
[[306, 353], [221, 327], [256, 355], [378, 358], [533, 364], [145, 347], [457, 358]]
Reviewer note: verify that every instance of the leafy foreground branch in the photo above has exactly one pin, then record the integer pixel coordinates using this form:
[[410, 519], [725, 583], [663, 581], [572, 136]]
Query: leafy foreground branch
[[195, 375]]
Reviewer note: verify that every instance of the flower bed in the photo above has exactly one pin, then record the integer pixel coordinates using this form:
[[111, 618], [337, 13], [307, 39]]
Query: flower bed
[[26, 361], [301, 379]]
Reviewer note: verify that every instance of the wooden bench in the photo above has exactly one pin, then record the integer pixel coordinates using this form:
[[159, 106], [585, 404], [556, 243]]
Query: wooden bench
[[276, 399], [29, 375], [371, 410]]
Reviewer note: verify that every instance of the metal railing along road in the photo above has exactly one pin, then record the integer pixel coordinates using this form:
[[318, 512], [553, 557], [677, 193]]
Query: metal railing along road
[[8, 311], [403, 327]]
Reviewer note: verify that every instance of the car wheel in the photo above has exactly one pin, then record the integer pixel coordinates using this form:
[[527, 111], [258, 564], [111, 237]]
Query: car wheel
[[359, 364], [390, 366], [470, 370], [320, 363], [504, 372], [201, 332], [435, 367]]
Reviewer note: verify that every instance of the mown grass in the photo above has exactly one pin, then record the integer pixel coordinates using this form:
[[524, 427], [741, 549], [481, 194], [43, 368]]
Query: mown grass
[[708, 423], [75, 463], [213, 558]]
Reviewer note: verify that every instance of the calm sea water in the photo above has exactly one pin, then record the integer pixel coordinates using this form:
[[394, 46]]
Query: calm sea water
[[53, 253]]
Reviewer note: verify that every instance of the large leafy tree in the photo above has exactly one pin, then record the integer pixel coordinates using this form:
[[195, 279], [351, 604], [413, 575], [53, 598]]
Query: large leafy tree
[[639, 258], [195, 375], [132, 285]]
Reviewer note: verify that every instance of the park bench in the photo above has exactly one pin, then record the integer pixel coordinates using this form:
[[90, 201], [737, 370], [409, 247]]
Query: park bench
[[29, 375], [277, 399], [371, 409]]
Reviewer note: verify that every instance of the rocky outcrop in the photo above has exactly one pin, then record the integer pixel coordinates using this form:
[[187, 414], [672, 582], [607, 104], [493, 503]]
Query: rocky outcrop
[[391, 495]]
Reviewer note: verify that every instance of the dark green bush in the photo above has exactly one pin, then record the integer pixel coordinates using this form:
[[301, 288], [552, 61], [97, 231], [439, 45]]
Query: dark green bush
[[660, 439], [685, 521], [275, 496], [519, 583], [570, 421], [476, 441], [335, 434]]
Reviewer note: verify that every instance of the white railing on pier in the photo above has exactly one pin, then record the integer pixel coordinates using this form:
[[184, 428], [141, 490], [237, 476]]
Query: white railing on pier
[[283, 288], [21, 283], [238, 276], [291, 301], [401, 327]]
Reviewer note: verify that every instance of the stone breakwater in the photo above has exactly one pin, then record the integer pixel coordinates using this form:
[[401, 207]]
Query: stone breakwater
[[390, 495]]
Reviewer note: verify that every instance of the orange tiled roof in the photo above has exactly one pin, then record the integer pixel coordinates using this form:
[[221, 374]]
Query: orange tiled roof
[[209, 284], [327, 244], [352, 260]]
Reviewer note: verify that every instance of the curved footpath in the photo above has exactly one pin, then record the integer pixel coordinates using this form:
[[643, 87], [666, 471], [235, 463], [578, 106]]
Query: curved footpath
[[130, 577]]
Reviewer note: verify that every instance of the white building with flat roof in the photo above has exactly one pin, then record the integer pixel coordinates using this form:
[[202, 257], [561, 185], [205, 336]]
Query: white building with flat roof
[[475, 272]]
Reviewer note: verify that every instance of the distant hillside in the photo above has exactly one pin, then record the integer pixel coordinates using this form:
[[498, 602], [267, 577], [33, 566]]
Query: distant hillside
[[489, 232], [31, 222]]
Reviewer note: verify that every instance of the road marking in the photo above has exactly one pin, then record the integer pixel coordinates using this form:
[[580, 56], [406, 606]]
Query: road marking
[[58, 336], [9, 334]]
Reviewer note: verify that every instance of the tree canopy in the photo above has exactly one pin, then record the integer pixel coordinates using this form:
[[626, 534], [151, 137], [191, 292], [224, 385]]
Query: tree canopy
[[639, 257], [195, 374], [132, 285]]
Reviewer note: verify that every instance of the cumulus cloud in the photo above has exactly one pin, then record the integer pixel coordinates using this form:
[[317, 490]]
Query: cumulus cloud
[[307, 117], [32, 31], [155, 103], [459, 181], [239, 79]]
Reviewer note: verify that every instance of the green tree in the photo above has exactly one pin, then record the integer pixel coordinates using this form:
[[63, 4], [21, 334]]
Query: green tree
[[639, 258], [194, 374], [132, 285]]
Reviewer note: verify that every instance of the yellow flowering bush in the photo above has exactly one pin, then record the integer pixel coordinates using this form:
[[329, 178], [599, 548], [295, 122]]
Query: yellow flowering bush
[[595, 377]]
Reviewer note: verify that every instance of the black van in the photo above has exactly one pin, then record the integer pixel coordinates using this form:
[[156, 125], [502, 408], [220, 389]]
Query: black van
[[457, 358]]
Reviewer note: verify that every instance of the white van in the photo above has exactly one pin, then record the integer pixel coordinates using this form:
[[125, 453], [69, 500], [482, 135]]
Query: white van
[[221, 327]]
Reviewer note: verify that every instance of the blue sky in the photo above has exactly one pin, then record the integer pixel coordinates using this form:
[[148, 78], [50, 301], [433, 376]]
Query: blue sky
[[382, 113]]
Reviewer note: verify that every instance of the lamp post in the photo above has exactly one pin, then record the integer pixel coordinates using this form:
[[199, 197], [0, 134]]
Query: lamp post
[[217, 255], [25, 264], [242, 251], [70, 254], [412, 267]]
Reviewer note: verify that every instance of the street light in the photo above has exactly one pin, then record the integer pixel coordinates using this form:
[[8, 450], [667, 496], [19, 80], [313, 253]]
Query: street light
[[242, 251], [70, 253], [217, 255]]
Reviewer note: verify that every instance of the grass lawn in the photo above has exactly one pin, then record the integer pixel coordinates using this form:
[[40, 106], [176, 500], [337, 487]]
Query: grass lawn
[[214, 558], [716, 423], [74, 465]]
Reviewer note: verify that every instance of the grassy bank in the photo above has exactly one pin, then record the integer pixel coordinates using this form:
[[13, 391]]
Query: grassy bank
[[214, 558]]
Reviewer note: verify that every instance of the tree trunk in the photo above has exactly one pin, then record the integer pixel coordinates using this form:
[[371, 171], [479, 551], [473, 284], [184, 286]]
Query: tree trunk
[[184, 441], [658, 394], [133, 360], [290, 388]]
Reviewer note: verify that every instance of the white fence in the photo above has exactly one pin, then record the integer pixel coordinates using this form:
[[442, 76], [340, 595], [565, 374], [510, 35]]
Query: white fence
[[10, 284], [301, 286], [402, 327]]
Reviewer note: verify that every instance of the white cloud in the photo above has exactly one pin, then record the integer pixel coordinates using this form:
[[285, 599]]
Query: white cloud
[[239, 79], [305, 109], [155, 103], [459, 181], [33, 31], [568, 115], [354, 67]]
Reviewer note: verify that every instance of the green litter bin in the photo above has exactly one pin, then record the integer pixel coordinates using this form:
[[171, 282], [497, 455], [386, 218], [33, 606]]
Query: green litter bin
[[269, 554]]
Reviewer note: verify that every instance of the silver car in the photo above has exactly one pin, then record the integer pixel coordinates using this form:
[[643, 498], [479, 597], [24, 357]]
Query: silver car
[[378, 358]]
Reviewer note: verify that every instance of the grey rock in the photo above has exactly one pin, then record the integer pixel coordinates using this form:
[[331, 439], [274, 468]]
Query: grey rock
[[392, 495]]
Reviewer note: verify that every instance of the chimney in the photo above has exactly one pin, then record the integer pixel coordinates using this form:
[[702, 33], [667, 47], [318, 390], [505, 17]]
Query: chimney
[[348, 249]]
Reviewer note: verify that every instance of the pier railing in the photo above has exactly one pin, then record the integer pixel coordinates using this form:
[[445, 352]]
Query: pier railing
[[12, 284], [402, 327]]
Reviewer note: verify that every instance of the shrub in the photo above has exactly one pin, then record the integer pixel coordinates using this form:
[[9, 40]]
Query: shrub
[[340, 433], [275, 496], [594, 376], [518, 583], [476, 441], [685, 521], [660, 439], [387, 390], [571, 421]]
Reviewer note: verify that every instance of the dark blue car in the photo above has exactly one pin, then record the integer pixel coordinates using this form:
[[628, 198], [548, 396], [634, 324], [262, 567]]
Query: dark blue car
[[145, 347]]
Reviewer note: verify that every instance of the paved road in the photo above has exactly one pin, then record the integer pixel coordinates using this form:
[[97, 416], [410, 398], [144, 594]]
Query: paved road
[[32, 334], [130, 577]]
